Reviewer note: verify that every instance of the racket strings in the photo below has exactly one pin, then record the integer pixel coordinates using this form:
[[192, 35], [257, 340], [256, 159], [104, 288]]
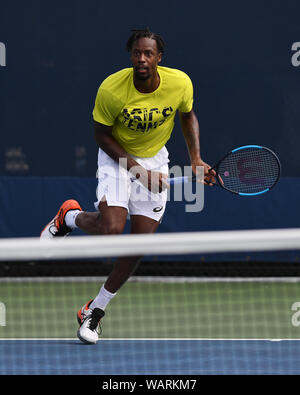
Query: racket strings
[[250, 170]]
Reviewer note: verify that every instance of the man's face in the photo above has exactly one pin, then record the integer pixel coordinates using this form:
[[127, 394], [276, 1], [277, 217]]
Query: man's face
[[145, 58]]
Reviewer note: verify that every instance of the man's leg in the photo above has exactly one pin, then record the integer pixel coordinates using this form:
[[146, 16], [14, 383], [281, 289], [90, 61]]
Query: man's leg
[[109, 220], [89, 316], [125, 266]]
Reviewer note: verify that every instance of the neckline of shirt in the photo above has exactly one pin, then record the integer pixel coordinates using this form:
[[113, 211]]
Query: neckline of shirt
[[149, 93]]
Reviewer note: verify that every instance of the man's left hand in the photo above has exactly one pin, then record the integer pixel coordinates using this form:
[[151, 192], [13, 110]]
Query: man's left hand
[[209, 173]]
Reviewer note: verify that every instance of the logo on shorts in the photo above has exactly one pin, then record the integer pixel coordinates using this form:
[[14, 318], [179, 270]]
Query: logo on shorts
[[158, 209]]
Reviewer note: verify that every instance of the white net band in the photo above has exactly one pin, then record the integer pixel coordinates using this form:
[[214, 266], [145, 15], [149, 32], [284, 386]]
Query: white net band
[[149, 244]]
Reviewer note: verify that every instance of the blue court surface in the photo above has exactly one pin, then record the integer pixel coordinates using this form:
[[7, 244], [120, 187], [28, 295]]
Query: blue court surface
[[149, 357]]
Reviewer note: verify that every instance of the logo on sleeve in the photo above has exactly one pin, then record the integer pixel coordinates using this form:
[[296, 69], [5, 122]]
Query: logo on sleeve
[[158, 209]]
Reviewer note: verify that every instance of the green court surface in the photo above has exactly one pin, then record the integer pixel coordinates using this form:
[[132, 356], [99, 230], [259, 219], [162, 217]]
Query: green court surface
[[197, 310]]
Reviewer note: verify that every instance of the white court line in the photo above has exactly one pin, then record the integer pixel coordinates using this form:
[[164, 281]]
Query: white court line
[[151, 279], [147, 339]]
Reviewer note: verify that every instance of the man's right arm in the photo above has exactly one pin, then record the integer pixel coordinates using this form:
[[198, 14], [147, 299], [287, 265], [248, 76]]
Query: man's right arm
[[106, 141]]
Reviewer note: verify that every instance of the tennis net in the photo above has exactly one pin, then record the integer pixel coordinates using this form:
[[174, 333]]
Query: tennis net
[[172, 318]]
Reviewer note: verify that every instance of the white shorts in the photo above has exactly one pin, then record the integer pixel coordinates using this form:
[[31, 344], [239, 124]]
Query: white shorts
[[119, 188]]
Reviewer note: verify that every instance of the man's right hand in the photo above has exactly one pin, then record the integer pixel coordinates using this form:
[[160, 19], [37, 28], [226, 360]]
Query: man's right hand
[[154, 181]]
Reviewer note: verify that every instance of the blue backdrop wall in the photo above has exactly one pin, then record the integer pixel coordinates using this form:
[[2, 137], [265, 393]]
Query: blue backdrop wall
[[243, 59]]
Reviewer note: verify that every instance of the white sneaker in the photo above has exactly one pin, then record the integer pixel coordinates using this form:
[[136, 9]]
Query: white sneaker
[[89, 321], [49, 231], [57, 226]]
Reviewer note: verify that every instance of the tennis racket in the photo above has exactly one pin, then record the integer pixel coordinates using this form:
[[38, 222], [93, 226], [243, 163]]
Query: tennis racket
[[249, 170]]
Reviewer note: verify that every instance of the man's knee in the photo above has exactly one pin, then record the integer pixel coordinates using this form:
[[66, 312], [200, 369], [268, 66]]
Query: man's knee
[[112, 228], [112, 219]]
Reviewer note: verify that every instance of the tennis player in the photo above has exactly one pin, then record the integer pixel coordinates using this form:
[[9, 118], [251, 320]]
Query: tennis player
[[134, 117]]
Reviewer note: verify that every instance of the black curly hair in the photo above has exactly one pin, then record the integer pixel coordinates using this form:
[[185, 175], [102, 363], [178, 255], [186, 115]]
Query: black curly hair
[[139, 33]]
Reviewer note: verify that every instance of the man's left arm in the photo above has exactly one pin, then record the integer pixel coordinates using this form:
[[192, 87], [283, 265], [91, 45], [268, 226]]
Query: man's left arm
[[190, 128]]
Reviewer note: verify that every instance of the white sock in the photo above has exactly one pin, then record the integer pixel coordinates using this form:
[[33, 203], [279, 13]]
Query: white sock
[[70, 218], [102, 299]]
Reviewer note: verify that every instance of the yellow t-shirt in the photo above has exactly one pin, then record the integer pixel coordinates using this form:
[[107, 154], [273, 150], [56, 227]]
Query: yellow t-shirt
[[142, 122]]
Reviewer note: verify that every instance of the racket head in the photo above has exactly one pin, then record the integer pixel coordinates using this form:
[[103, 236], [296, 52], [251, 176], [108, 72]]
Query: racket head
[[249, 170]]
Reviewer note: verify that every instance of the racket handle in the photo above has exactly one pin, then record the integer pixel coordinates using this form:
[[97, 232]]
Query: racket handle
[[180, 180]]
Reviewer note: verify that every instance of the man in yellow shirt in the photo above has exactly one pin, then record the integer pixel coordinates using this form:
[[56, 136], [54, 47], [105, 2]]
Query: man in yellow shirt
[[134, 117]]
